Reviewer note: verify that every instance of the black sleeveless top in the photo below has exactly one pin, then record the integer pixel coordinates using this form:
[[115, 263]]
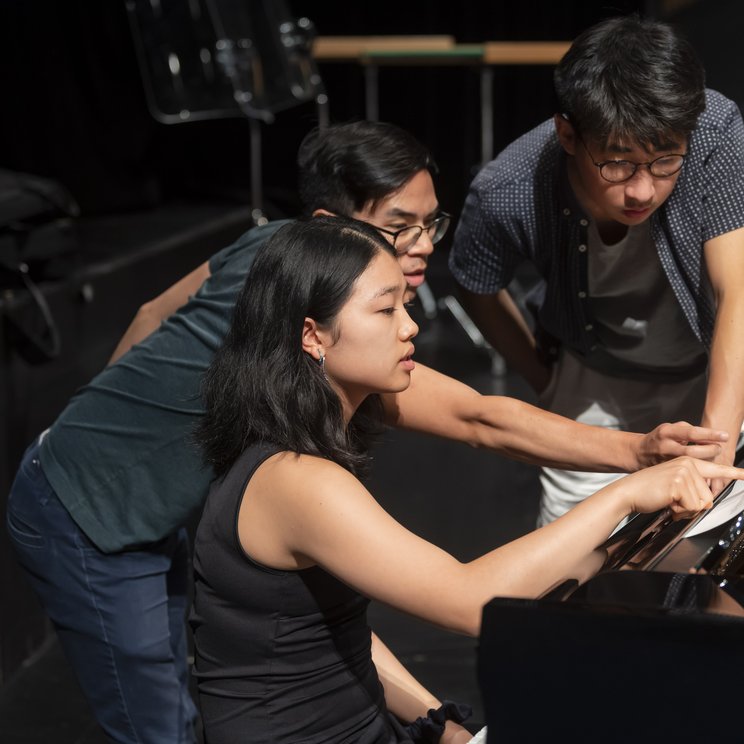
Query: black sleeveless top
[[281, 656]]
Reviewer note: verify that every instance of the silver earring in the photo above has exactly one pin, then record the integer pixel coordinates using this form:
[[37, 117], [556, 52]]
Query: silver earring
[[321, 364]]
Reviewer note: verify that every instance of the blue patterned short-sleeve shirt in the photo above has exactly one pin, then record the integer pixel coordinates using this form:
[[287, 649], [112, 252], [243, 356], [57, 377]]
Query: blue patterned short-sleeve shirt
[[521, 208]]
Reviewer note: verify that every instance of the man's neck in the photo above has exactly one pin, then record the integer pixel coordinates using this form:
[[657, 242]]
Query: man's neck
[[611, 232]]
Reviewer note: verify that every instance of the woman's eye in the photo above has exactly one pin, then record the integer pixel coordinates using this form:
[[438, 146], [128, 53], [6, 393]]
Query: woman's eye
[[388, 310]]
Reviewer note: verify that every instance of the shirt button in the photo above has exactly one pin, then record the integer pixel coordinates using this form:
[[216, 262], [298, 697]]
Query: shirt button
[[582, 248], [588, 327], [567, 211], [582, 295], [584, 223]]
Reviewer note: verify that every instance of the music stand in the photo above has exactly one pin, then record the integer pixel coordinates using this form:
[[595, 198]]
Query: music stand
[[217, 59]]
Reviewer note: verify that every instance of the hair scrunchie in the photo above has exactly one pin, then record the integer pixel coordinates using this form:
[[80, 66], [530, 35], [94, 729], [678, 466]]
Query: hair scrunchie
[[430, 729]]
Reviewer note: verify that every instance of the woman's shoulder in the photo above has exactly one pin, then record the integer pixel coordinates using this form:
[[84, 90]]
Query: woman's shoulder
[[302, 481], [311, 471]]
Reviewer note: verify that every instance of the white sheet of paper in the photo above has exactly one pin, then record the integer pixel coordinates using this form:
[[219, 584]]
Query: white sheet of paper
[[479, 738], [728, 508]]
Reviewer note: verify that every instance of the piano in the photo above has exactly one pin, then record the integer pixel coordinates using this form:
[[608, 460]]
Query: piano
[[649, 649]]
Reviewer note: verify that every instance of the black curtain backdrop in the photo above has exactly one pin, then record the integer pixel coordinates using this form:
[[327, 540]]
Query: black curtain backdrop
[[74, 107]]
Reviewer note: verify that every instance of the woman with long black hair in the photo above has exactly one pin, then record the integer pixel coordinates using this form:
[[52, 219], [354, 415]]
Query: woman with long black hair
[[291, 545]]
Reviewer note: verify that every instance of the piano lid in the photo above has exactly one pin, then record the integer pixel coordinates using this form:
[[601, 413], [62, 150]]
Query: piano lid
[[632, 656]]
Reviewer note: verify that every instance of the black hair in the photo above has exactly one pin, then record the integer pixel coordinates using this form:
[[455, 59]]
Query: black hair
[[261, 385], [345, 167], [631, 79]]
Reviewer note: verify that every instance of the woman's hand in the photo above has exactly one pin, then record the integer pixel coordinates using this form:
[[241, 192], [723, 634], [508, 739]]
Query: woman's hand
[[679, 439], [680, 484]]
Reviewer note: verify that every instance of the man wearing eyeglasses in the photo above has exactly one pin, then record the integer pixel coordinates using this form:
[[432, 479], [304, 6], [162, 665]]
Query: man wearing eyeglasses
[[630, 206]]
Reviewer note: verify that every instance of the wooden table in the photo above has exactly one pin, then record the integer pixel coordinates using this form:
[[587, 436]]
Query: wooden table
[[373, 52]]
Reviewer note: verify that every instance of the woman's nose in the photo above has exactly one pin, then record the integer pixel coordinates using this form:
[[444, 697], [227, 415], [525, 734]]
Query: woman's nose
[[409, 328]]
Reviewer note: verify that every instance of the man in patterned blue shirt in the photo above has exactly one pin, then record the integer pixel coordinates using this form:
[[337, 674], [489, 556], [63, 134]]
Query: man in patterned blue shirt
[[630, 205]]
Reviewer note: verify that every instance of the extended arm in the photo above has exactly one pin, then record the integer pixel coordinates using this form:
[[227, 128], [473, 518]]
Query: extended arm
[[724, 403], [439, 405], [405, 696], [153, 313], [301, 511]]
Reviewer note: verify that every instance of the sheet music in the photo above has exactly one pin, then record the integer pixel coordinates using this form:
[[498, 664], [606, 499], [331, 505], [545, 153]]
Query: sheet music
[[479, 738], [720, 514]]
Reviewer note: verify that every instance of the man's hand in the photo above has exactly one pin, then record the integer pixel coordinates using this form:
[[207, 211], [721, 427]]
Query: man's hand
[[674, 440]]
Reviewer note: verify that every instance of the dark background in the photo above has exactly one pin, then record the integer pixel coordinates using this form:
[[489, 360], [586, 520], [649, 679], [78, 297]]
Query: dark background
[[155, 200], [75, 110]]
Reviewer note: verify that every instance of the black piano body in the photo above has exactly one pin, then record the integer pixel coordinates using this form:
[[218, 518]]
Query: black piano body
[[650, 649]]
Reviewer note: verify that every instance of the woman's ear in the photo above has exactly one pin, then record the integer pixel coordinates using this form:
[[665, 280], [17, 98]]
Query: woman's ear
[[312, 343], [566, 133], [323, 213]]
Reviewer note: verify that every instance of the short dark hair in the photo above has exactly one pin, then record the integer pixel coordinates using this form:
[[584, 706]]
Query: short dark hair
[[261, 385], [632, 79], [345, 167]]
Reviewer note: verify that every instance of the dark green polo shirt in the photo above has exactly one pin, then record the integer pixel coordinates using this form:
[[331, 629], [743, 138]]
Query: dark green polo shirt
[[120, 456]]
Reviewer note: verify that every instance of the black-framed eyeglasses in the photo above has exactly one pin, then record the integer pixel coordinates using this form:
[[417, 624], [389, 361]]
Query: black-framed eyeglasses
[[403, 240], [617, 171]]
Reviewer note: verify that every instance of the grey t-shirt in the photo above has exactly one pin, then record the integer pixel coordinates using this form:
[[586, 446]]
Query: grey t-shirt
[[119, 456], [637, 316]]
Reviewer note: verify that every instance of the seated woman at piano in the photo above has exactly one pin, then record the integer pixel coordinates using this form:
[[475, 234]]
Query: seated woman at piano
[[291, 546]]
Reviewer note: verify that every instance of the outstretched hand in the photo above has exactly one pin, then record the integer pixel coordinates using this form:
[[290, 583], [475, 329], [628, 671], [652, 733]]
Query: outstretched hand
[[667, 441], [680, 484]]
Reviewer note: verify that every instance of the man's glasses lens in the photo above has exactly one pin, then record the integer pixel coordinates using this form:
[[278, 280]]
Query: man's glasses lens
[[438, 228], [617, 171], [623, 170], [408, 236]]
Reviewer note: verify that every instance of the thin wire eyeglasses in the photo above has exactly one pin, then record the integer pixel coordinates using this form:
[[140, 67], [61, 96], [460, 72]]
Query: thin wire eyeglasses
[[618, 171], [403, 240]]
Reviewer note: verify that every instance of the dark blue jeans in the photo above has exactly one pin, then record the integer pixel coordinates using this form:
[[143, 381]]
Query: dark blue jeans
[[120, 617]]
